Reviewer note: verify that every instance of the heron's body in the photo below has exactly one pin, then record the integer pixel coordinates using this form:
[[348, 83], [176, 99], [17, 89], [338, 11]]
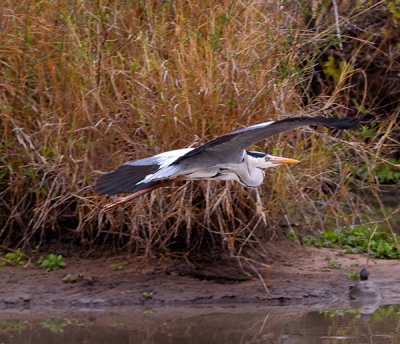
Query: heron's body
[[223, 158], [247, 171]]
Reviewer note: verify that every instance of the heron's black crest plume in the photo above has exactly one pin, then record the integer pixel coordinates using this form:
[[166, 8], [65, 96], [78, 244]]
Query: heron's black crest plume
[[256, 154]]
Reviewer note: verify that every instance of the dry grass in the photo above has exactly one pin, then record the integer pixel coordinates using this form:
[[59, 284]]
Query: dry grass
[[86, 86]]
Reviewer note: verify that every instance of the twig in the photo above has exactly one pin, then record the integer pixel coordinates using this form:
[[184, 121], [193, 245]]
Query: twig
[[338, 34]]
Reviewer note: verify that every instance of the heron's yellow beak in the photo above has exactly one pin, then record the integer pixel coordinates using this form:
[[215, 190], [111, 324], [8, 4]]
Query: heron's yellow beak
[[281, 160]]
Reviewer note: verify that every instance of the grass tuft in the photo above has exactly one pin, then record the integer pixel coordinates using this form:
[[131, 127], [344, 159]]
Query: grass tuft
[[359, 239]]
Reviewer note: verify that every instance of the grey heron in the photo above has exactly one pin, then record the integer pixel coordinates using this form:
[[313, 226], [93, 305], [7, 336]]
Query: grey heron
[[223, 158]]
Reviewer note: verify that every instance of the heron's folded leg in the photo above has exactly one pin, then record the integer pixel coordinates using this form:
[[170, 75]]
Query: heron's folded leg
[[116, 201]]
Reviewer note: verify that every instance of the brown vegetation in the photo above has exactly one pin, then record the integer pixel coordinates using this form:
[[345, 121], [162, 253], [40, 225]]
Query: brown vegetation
[[86, 86]]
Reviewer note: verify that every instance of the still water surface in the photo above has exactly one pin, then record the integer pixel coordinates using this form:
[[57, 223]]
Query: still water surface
[[222, 325]]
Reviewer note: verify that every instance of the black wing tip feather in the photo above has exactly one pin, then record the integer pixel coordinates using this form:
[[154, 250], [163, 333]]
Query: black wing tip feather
[[329, 122], [107, 185], [340, 122], [334, 122], [104, 188]]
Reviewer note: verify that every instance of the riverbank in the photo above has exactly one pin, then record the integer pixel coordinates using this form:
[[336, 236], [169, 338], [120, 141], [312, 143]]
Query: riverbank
[[296, 275]]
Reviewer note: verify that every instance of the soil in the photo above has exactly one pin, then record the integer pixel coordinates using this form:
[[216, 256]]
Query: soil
[[296, 275]]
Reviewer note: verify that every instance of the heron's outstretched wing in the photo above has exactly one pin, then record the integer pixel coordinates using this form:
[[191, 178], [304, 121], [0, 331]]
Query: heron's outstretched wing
[[125, 178], [242, 138]]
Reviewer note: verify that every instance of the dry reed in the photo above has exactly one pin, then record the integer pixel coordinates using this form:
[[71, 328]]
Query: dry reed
[[86, 86]]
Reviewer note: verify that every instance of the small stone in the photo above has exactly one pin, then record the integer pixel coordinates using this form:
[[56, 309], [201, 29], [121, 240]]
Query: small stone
[[98, 303], [73, 278], [85, 302], [82, 302]]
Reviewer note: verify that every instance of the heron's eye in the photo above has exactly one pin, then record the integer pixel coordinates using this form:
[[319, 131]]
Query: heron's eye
[[267, 158]]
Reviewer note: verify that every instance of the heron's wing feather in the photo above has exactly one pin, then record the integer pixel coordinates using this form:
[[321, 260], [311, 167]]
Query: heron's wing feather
[[124, 179], [242, 138], [135, 175]]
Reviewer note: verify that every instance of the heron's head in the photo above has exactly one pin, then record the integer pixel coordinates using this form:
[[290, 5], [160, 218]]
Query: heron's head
[[263, 160]]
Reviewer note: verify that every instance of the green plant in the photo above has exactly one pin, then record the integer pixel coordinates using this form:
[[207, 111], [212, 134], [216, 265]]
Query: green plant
[[386, 173], [353, 275], [292, 235], [148, 295], [367, 131], [381, 313], [117, 266], [330, 69], [332, 264], [52, 262], [54, 325], [334, 313], [387, 311], [358, 239], [14, 258], [13, 325], [389, 172], [394, 8]]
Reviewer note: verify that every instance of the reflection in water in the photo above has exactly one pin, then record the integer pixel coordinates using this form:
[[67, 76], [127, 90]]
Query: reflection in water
[[237, 324]]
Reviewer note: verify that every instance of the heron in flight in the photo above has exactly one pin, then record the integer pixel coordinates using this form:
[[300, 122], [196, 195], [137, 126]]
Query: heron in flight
[[223, 158]]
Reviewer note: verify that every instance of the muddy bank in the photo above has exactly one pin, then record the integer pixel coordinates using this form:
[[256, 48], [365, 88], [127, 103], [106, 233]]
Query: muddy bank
[[298, 276]]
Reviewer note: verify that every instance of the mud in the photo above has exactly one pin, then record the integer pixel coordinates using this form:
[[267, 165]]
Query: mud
[[296, 275]]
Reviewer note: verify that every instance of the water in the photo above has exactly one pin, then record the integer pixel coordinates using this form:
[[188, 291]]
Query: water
[[222, 325]]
